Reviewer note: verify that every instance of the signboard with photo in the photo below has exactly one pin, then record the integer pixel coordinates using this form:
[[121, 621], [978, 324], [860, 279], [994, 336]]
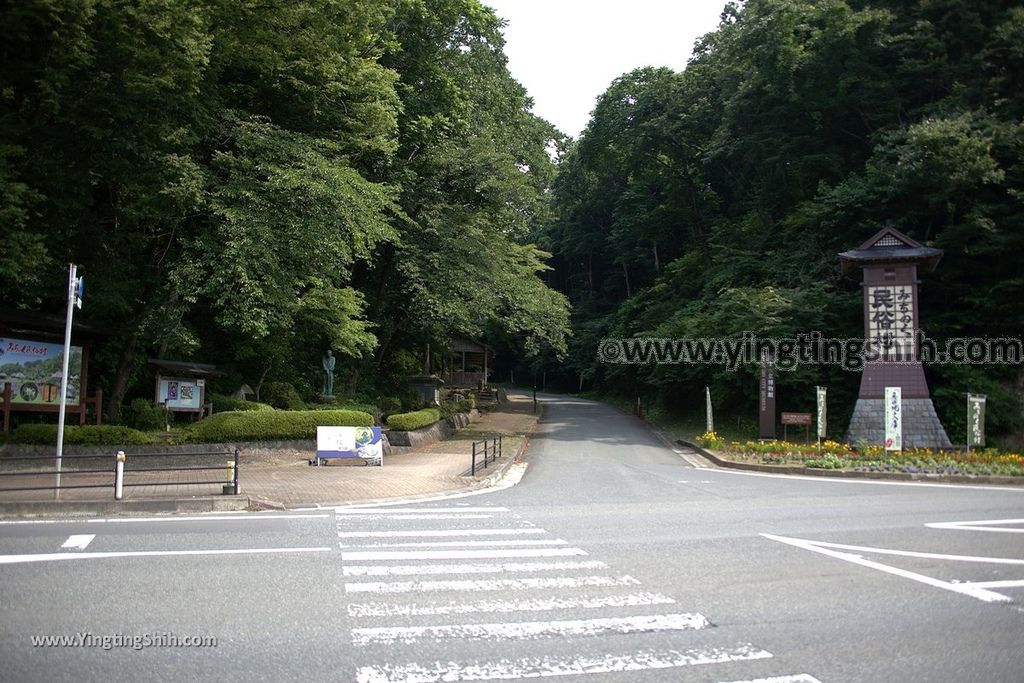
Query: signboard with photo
[[349, 442], [34, 370], [180, 394]]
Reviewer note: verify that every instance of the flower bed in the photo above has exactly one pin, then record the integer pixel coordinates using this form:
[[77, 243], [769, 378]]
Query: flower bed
[[839, 456]]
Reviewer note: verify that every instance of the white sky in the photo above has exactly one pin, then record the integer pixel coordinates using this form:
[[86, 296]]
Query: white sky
[[567, 52]]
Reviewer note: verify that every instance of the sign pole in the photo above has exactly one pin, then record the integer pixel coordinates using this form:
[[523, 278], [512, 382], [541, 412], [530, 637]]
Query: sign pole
[[710, 416], [72, 300]]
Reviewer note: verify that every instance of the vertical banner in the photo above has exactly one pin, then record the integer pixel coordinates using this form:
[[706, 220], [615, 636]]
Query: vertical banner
[[893, 419], [822, 411], [710, 416], [767, 399], [975, 420]]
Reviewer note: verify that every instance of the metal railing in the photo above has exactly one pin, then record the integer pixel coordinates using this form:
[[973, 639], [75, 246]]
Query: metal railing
[[120, 472], [490, 448]]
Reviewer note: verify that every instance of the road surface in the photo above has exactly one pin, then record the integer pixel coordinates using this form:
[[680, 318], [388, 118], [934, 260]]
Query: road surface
[[613, 559]]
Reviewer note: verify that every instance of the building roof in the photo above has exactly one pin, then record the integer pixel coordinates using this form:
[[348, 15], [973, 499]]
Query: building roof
[[176, 367], [46, 327], [889, 245]]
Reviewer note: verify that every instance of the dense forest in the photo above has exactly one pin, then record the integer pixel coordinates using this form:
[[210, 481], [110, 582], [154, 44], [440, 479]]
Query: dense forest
[[714, 201], [249, 183]]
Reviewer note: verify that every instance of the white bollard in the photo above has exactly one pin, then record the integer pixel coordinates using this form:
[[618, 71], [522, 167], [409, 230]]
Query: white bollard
[[229, 488], [119, 476]]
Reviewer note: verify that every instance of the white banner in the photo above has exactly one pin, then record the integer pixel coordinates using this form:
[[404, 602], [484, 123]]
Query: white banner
[[822, 411], [349, 442], [975, 420], [893, 419]]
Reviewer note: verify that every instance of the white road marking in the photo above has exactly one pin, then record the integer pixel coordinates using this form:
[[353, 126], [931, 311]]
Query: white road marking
[[51, 557], [872, 482], [692, 461], [964, 589], [458, 544], [488, 584], [78, 541], [495, 568], [363, 511], [1009, 583], [981, 525], [438, 533], [367, 555], [798, 678], [383, 609], [245, 517], [537, 667], [526, 630], [914, 553], [442, 516]]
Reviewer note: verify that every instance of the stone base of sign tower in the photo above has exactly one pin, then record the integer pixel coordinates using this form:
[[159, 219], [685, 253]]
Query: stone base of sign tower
[[921, 426]]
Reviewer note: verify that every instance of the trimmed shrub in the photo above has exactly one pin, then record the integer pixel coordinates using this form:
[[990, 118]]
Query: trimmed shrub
[[148, 417], [260, 425], [224, 404], [406, 422], [86, 435], [454, 406], [282, 396], [348, 405]]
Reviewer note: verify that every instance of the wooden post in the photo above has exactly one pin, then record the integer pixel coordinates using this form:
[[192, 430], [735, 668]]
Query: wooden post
[[7, 407]]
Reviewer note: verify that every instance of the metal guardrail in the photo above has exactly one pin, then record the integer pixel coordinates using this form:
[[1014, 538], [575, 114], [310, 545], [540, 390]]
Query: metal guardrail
[[490, 447], [120, 472]]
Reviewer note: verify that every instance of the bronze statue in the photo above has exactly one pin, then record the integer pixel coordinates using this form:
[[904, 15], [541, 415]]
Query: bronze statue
[[328, 364]]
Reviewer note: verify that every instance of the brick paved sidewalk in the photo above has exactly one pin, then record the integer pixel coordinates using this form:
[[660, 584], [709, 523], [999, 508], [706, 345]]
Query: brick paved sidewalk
[[443, 466], [285, 478]]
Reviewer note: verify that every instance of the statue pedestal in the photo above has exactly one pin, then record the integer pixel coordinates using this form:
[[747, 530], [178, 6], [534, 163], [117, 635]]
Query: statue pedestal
[[921, 426]]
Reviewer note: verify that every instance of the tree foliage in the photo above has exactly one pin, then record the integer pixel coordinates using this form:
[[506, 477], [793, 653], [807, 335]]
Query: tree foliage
[[714, 201], [248, 183]]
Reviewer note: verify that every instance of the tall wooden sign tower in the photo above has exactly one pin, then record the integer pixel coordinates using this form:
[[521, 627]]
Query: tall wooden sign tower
[[889, 263]]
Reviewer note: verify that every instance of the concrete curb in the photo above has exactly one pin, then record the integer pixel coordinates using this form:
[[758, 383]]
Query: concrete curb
[[850, 474], [35, 508]]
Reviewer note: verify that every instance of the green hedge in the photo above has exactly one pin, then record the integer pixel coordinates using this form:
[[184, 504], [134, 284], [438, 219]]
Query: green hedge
[[346, 405], [87, 435], [406, 422], [282, 396], [270, 425], [224, 404]]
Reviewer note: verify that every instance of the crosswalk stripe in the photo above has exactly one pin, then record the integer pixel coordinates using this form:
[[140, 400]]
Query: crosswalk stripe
[[537, 667], [524, 630], [374, 555], [398, 511], [458, 544], [440, 533], [798, 678], [383, 609], [492, 568], [488, 584], [441, 516]]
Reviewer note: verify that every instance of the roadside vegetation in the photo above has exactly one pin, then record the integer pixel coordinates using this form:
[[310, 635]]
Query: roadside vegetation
[[833, 455], [714, 201]]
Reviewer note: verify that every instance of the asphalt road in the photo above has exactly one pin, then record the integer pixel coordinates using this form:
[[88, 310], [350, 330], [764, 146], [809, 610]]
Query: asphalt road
[[613, 559]]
